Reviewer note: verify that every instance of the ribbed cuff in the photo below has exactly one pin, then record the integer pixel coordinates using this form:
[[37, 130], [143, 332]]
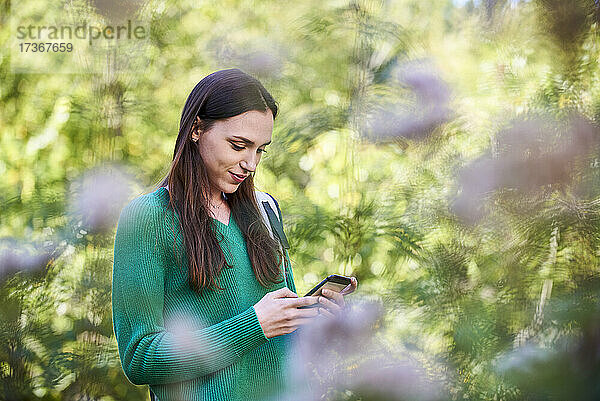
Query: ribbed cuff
[[250, 330]]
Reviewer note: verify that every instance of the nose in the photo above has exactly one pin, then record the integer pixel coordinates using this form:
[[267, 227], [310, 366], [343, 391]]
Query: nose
[[249, 162]]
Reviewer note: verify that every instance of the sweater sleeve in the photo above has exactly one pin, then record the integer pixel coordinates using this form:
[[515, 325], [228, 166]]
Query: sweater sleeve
[[149, 353]]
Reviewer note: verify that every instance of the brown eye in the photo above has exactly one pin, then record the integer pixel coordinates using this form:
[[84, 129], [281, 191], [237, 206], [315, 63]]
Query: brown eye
[[235, 147]]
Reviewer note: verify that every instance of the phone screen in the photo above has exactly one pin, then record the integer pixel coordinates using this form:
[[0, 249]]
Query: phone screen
[[327, 285], [333, 282]]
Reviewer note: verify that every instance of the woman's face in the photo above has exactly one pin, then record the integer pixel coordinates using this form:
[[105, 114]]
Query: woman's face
[[231, 148]]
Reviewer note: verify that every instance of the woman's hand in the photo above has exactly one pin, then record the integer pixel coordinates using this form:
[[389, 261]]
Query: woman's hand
[[350, 287], [278, 312], [331, 303]]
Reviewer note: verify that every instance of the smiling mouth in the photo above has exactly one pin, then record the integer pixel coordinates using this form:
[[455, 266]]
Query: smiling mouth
[[238, 178]]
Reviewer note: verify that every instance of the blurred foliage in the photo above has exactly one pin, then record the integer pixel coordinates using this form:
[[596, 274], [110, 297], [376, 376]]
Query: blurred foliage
[[489, 274]]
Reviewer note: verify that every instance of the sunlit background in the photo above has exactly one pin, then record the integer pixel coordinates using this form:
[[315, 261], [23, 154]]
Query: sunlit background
[[443, 152]]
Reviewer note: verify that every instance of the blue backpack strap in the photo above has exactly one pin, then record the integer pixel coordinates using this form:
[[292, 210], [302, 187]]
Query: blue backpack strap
[[273, 223], [276, 224], [273, 220]]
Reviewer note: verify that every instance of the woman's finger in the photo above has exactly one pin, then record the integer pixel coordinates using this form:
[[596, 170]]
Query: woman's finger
[[325, 313], [336, 297], [301, 321], [350, 288], [327, 304], [299, 302], [306, 313]]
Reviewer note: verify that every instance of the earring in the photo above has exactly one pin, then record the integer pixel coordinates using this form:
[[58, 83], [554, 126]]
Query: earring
[[197, 135], [195, 129]]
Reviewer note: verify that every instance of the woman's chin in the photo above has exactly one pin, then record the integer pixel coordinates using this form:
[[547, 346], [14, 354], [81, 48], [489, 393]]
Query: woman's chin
[[230, 188]]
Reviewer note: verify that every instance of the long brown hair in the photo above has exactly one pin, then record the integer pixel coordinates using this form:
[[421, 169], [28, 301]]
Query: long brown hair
[[220, 95]]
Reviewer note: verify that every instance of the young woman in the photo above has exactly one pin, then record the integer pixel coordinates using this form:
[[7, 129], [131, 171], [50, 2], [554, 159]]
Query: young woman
[[203, 296]]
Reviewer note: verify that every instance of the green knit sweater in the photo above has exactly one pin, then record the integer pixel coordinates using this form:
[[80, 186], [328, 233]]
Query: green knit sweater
[[188, 346]]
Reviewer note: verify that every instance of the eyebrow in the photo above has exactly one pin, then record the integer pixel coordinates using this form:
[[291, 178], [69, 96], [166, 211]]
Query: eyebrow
[[248, 141]]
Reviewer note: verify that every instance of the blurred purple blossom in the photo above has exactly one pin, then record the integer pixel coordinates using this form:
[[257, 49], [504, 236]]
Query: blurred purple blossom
[[341, 354], [424, 80], [118, 10], [416, 119], [18, 256], [98, 197], [385, 379], [524, 360], [186, 335], [262, 62], [531, 153]]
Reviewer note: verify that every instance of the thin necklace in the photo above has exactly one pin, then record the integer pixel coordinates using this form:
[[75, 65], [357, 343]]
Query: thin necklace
[[218, 206]]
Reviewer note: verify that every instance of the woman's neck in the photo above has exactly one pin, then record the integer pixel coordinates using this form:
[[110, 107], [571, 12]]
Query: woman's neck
[[219, 209], [217, 202], [217, 198]]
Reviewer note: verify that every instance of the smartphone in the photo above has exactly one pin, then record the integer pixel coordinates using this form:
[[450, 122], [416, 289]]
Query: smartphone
[[333, 282]]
